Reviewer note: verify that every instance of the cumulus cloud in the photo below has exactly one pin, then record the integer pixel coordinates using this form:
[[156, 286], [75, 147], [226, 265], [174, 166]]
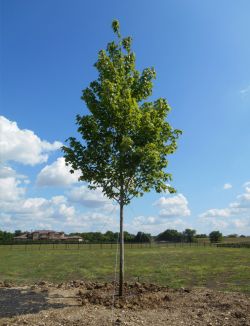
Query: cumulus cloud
[[22, 145], [227, 186], [32, 211], [92, 221], [172, 210], [54, 213], [216, 212], [6, 171], [87, 197], [57, 174], [91, 198], [10, 189], [155, 225], [11, 184], [57, 212], [176, 206], [235, 216]]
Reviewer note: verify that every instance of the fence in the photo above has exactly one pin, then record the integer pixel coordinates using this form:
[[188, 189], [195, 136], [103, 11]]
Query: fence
[[43, 245], [234, 245]]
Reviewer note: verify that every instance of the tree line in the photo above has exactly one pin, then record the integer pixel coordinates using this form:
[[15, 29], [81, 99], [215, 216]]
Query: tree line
[[169, 235]]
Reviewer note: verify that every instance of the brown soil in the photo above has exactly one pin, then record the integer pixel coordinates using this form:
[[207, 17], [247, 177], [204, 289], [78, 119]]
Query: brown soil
[[79, 303]]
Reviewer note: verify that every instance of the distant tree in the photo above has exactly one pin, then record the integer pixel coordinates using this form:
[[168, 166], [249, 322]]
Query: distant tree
[[215, 236], [233, 235], [91, 236], [242, 236], [108, 236], [202, 235], [169, 235], [128, 237], [142, 237], [189, 235], [6, 236], [17, 233], [125, 140]]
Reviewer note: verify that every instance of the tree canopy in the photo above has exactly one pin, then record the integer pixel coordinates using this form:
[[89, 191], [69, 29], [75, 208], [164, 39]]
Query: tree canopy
[[125, 140], [215, 236]]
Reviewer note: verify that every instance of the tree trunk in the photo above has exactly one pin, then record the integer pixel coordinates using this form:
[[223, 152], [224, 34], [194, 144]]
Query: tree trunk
[[121, 275]]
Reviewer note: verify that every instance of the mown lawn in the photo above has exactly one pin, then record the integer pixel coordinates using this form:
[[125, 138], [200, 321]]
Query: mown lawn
[[220, 268]]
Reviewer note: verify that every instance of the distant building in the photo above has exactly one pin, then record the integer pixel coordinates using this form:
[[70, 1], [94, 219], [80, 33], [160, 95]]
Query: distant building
[[21, 237], [42, 235], [46, 235]]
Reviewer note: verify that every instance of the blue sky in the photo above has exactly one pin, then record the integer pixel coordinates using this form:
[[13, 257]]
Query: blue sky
[[201, 53]]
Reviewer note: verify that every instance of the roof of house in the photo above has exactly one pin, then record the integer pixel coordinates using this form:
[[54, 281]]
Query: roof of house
[[23, 236], [45, 231]]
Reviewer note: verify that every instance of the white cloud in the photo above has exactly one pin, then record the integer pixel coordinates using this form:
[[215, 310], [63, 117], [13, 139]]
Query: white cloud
[[22, 145], [92, 221], [216, 224], [31, 212], [91, 198], [57, 174], [239, 207], [217, 212], [245, 90], [227, 186], [54, 213], [6, 171], [58, 212], [143, 220], [235, 217], [59, 199], [176, 206], [155, 225], [241, 223], [10, 190], [11, 184]]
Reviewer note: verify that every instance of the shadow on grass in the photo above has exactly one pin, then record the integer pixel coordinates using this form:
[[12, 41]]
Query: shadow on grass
[[15, 302]]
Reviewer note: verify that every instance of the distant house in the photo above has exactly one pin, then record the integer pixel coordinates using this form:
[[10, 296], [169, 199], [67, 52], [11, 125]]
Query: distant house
[[43, 235], [47, 235], [21, 237]]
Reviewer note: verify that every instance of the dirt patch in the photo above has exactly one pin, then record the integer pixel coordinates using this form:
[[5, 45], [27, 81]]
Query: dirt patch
[[136, 296], [21, 301], [79, 303]]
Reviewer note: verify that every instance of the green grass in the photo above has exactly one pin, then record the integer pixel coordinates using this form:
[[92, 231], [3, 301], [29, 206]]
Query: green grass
[[225, 269]]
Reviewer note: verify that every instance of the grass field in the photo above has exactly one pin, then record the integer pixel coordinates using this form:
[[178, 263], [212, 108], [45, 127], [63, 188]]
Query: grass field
[[220, 268]]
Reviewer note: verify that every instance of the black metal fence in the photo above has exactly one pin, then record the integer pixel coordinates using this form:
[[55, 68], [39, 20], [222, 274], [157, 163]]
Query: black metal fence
[[72, 245], [234, 245]]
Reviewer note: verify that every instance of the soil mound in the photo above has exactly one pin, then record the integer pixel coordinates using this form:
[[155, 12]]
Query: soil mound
[[80, 303], [136, 296]]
